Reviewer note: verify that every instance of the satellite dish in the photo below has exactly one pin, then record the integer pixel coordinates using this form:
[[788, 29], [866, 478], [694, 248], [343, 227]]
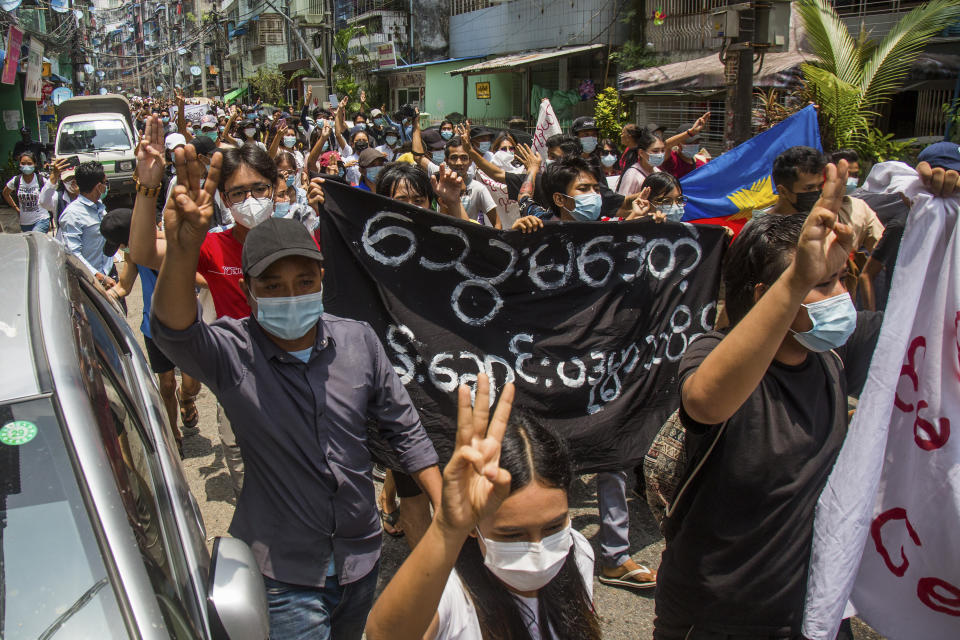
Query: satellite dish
[[101, 74], [60, 6], [159, 88], [88, 68], [182, 51], [60, 94], [195, 70], [9, 5], [103, 91]]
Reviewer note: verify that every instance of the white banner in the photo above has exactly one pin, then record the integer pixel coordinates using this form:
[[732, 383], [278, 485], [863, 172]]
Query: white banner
[[33, 85], [547, 125], [885, 534]]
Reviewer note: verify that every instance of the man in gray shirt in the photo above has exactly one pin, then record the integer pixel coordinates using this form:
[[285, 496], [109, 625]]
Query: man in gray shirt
[[299, 387]]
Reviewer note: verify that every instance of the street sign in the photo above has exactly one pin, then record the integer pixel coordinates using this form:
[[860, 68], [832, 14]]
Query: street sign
[[386, 56], [60, 94]]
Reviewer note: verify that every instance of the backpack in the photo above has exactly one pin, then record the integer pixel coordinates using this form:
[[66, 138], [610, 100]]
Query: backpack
[[667, 471], [16, 187]]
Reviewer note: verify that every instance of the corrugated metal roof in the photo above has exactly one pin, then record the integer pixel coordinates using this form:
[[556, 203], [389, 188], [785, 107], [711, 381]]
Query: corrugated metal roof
[[424, 64], [514, 60], [700, 74]]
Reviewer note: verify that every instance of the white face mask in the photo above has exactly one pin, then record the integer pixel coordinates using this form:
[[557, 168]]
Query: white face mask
[[690, 150], [249, 132], [252, 211], [528, 566]]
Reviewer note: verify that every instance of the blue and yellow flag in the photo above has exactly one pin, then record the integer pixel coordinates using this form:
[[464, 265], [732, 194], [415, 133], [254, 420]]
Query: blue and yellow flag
[[729, 188]]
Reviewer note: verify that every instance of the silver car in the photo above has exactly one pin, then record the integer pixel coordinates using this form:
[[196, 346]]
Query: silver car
[[100, 536]]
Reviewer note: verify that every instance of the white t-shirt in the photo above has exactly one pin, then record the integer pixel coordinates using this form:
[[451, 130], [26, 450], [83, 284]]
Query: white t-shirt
[[388, 151], [476, 198], [28, 199], [457, 617]]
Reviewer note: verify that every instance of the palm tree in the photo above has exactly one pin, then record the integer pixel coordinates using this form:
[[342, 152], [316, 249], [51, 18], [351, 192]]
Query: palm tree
[[850, 79]]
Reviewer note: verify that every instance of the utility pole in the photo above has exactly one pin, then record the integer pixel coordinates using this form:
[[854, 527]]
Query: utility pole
[[753, 22], [218, 47]]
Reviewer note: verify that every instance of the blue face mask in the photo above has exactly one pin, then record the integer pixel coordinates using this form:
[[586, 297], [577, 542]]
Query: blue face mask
[[483, 146], [834, 320], [409, 132], [589, 143], [281, 209], [438, 157], [655, 159], [27, 169], [446, 134], [674, 212], [291, 179], [378, 121], [362, 126], [608, 159], [587, 208], [391, 140], [165, 119], [852, 184], [372, 173], [289, 318]]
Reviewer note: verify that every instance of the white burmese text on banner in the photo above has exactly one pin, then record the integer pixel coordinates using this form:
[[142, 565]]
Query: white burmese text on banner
[[885, 530]]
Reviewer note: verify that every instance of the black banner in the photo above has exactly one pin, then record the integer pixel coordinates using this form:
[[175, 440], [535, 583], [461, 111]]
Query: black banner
[[589, 320]]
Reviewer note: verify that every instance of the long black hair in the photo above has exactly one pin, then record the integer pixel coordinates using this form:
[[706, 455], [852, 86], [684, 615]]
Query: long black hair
[[661, 183], [531, 453]]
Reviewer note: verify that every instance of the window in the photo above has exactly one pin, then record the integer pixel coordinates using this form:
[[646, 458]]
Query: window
[[258, 56], [52, 568], [466, 6], [135, 468], [93, 135]]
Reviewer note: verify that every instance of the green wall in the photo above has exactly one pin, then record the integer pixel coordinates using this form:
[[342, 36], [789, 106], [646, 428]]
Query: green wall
[[443, 93], [11, 100]]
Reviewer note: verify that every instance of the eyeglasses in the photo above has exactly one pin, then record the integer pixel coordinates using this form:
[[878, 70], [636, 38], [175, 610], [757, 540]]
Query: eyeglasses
[[261, 190], [682, 200]]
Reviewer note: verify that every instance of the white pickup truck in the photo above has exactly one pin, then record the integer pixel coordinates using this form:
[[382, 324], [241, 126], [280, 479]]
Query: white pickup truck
[[100, 128]]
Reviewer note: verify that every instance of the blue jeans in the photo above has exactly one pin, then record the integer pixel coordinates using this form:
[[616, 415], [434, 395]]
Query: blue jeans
[[332, 612], [40, 226]]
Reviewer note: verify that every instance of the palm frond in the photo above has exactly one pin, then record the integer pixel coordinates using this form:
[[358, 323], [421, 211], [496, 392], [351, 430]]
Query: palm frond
[[888, 66], [830, 39], [841, 115]]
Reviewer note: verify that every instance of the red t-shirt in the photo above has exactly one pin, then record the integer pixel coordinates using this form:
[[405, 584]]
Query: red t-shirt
[[677, 167], [220, 264]]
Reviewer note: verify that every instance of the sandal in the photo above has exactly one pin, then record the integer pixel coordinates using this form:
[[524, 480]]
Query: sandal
[[189, 415], [627, 579], [180, 447], [389, 521]]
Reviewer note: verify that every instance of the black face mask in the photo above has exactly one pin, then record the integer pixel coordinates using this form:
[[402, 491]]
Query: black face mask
[[806, 200], [360, 145]]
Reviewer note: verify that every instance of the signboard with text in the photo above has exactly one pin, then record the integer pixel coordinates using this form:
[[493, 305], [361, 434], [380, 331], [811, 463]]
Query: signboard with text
[[387, 55], [483, 90], [33, 86], [14, 40]]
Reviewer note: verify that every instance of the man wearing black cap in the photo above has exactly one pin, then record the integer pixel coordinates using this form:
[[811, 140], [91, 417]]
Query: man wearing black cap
[[298, 386], [115, 228], [585, 128], [370, 162]]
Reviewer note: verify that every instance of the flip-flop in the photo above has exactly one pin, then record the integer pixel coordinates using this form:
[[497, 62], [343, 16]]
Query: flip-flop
[[390, 519], [625, 579], [188, 417]]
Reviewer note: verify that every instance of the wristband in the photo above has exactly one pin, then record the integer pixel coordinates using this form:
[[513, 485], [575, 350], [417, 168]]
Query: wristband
[[150, 192]]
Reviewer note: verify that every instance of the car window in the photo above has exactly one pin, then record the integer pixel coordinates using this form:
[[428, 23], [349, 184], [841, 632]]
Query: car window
[[55, 583], [132, 458], [87, 136]]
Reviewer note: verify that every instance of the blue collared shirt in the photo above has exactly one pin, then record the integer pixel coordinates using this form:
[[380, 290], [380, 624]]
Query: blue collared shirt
[[80, 233], [304, 431]]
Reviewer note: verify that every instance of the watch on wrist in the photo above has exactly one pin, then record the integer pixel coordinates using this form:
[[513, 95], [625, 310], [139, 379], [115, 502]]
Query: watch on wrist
[[150, 192]]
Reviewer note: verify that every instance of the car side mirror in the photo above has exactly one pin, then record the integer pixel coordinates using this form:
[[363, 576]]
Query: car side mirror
[[236, 598]]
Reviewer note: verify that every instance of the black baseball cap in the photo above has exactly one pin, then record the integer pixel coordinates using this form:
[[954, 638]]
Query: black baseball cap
[[941, 155], [274, 239], [583, 123], [115, 228]]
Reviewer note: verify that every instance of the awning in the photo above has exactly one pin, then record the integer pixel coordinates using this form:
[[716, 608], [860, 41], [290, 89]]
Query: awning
[[417, 65], [704, 75], [294, 65], [525, 59], [707, 74], [240, 29], [233, 95]]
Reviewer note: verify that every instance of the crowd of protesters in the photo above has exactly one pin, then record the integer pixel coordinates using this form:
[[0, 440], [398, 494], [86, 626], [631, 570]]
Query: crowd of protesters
[[229, 205]]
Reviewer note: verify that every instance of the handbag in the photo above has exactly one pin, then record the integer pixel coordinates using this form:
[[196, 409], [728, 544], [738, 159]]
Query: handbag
[[665, 468]]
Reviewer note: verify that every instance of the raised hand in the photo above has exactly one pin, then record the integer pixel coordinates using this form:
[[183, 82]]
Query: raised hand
[[463, 130], [825, 242], [447, 185], [315, 194], [150, 158], [699, 124], [530, 158], [187, 215], [59, 166], [474, 485], [640, 207], [363, 96]]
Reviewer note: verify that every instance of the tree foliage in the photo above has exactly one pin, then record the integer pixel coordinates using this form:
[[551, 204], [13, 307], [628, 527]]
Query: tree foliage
[[269, 85], [610, 113], [851, 78]]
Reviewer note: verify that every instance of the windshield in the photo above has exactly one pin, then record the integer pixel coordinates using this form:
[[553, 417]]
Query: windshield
[[53, 583], [93, 135]]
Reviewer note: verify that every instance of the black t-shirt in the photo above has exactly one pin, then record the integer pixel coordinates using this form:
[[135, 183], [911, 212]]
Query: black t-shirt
[[737, 562], [886, 251], [611, 199]]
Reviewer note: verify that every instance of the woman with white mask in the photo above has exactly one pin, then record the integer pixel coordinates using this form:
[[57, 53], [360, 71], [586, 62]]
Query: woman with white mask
[[504, 149], [500, 559], [650, 155]]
